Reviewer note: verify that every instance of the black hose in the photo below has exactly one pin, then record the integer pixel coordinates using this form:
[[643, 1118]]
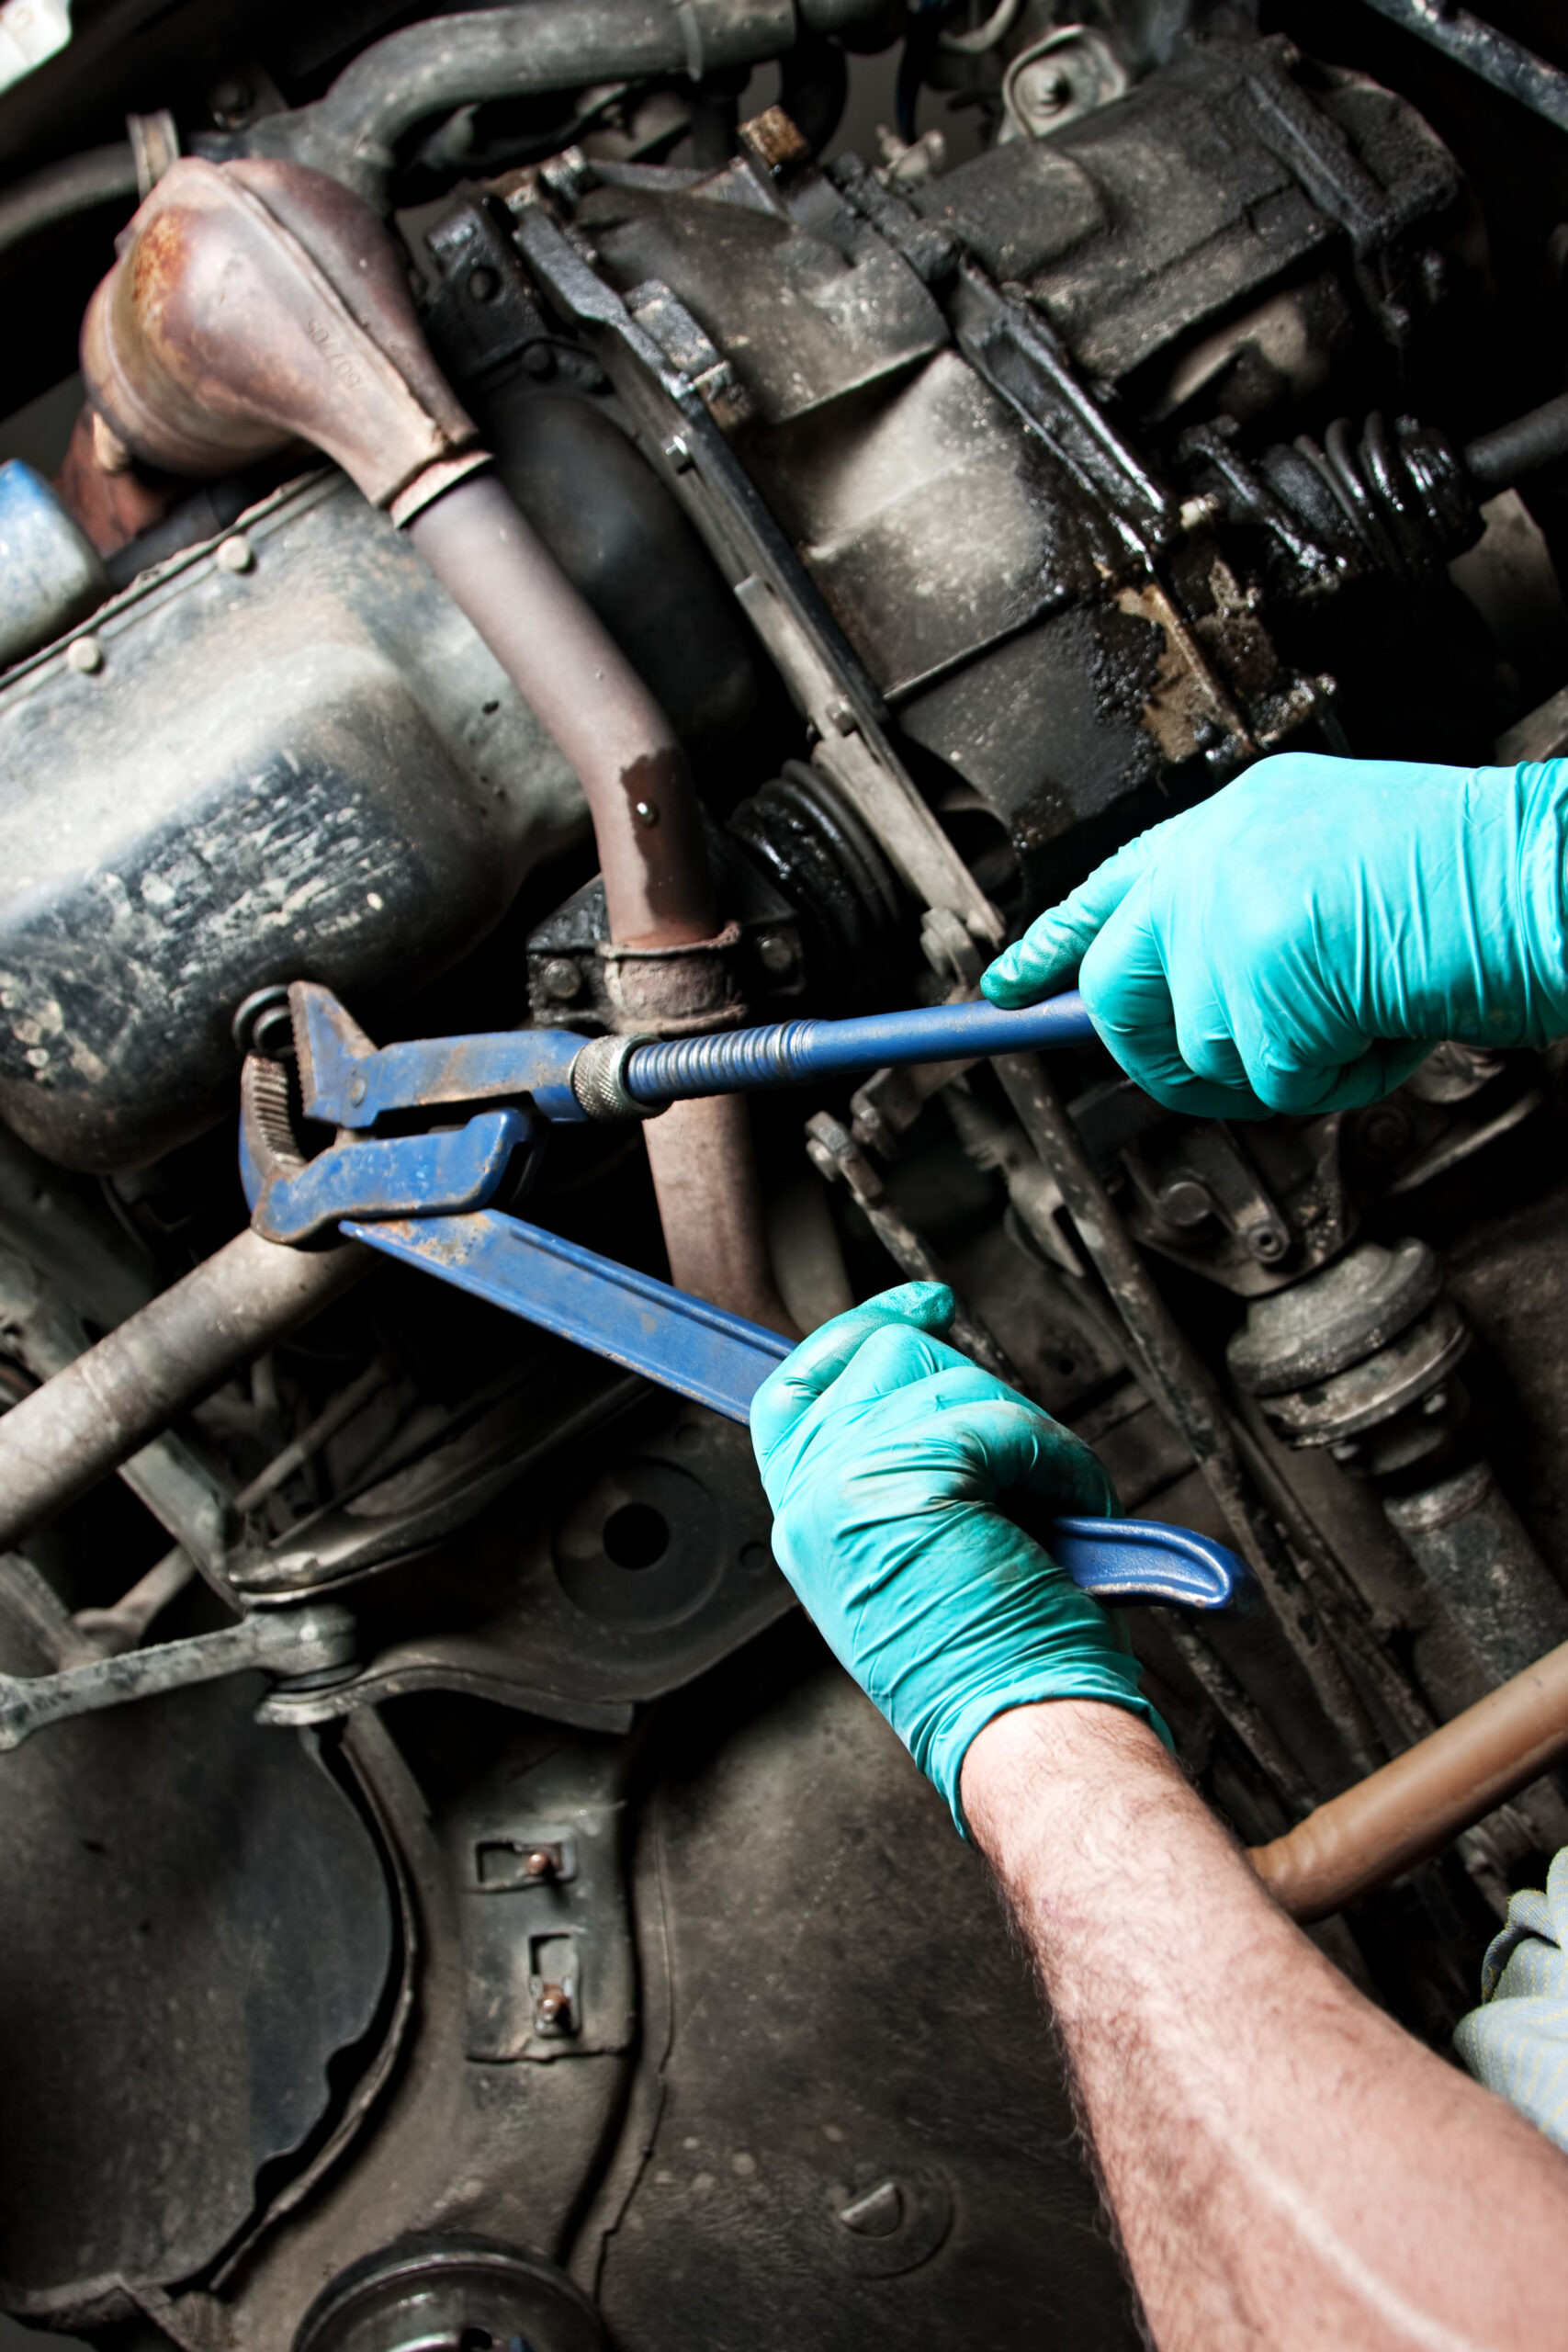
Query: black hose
[[62, 192], [508, 52], [1496, 460], [919, 48], [814, 85]]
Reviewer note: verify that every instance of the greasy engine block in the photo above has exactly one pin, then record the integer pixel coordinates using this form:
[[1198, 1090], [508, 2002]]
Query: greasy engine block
[[283, 754], [582, 1960]]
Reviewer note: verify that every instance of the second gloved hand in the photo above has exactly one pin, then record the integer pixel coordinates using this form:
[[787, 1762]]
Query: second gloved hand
[[890, 1461], [1300, 942]]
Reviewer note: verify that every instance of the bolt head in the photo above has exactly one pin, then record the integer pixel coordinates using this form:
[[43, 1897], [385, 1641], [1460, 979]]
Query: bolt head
[[560, 980], [230, 102], [646, 812], [1185, 1201], [775, 952], [1046, 92], [553, 2006], [539, 1865], [235, 554], [86, 654], [483, 285]]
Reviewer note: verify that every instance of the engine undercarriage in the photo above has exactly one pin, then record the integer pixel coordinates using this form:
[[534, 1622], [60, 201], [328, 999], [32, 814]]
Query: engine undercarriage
[[576, 1959]]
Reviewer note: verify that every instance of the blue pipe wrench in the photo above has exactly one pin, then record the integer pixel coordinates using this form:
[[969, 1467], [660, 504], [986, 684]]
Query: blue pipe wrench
[[422, 1199]]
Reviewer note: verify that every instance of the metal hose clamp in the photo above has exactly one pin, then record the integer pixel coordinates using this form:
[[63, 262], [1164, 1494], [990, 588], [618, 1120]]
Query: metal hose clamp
[[598, 1080]]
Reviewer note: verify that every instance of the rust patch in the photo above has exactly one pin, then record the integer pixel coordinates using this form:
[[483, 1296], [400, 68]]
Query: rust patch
[[772, 140], [1187, 709]]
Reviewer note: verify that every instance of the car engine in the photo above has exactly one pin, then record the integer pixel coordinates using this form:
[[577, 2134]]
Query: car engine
[[452, 1896]]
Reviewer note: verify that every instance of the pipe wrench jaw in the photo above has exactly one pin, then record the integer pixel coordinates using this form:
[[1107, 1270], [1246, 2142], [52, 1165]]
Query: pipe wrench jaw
[[300, 1200]]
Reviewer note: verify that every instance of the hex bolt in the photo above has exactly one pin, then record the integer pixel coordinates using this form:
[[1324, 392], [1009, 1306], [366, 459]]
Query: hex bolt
[[560, 980], [539, 1866], [775, 952], [229, 103], [553, 2006], [1185, 1201], [1198, 513], [86, 654]]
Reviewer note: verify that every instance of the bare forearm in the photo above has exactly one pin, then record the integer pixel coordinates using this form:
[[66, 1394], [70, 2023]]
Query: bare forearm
[[1287, 2167]]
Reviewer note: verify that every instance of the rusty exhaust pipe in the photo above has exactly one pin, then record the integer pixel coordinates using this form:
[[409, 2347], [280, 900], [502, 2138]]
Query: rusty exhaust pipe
[[255, 303], [1412, 1807], [108, 1403]]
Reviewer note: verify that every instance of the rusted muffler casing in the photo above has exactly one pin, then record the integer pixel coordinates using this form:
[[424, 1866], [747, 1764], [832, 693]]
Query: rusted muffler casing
[[258, 303]]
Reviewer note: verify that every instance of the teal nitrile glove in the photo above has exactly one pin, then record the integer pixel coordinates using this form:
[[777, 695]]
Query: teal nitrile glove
[[889, 1459], [1301, 941]]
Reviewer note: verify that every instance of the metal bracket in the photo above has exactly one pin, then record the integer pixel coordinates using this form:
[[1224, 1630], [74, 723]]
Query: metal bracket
[[310, 1641], [769, 580]]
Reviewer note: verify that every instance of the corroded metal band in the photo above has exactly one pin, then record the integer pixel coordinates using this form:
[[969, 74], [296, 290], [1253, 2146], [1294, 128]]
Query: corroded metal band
[[434, 483]]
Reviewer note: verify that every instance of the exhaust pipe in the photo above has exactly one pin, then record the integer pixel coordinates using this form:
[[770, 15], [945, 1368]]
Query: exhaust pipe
[[259, 302]]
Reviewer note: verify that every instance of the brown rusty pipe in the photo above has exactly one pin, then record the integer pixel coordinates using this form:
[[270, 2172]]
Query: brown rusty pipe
[[1412, 1807], [550, 642], [258, 302], [657, 888], [109, 1403]]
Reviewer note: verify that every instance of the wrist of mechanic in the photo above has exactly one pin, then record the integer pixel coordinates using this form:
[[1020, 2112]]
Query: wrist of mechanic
[[1285, 2166]]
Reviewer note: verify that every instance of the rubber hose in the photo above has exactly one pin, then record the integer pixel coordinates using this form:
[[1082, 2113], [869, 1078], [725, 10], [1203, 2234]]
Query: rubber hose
[[62, 192], [1496, 460]]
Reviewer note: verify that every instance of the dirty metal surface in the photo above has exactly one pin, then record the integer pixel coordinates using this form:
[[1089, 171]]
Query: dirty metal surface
[[455, 2144], [836, 2020], [624, 1566], [198, 1923], [174, 834]]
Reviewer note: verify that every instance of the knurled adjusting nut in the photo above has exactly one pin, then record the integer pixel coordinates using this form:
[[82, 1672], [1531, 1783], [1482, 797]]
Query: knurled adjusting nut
[[598, 1080]]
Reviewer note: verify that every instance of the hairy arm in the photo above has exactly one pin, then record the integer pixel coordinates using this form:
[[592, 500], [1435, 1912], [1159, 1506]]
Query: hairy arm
[[1287, 2169]]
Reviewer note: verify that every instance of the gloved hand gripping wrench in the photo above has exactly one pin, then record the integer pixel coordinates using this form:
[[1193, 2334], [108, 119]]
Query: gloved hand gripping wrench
[[423, 1199]]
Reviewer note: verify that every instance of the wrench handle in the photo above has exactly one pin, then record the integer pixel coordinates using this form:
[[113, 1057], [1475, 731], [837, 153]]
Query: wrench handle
[[792, 1053], [720, 1359]]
